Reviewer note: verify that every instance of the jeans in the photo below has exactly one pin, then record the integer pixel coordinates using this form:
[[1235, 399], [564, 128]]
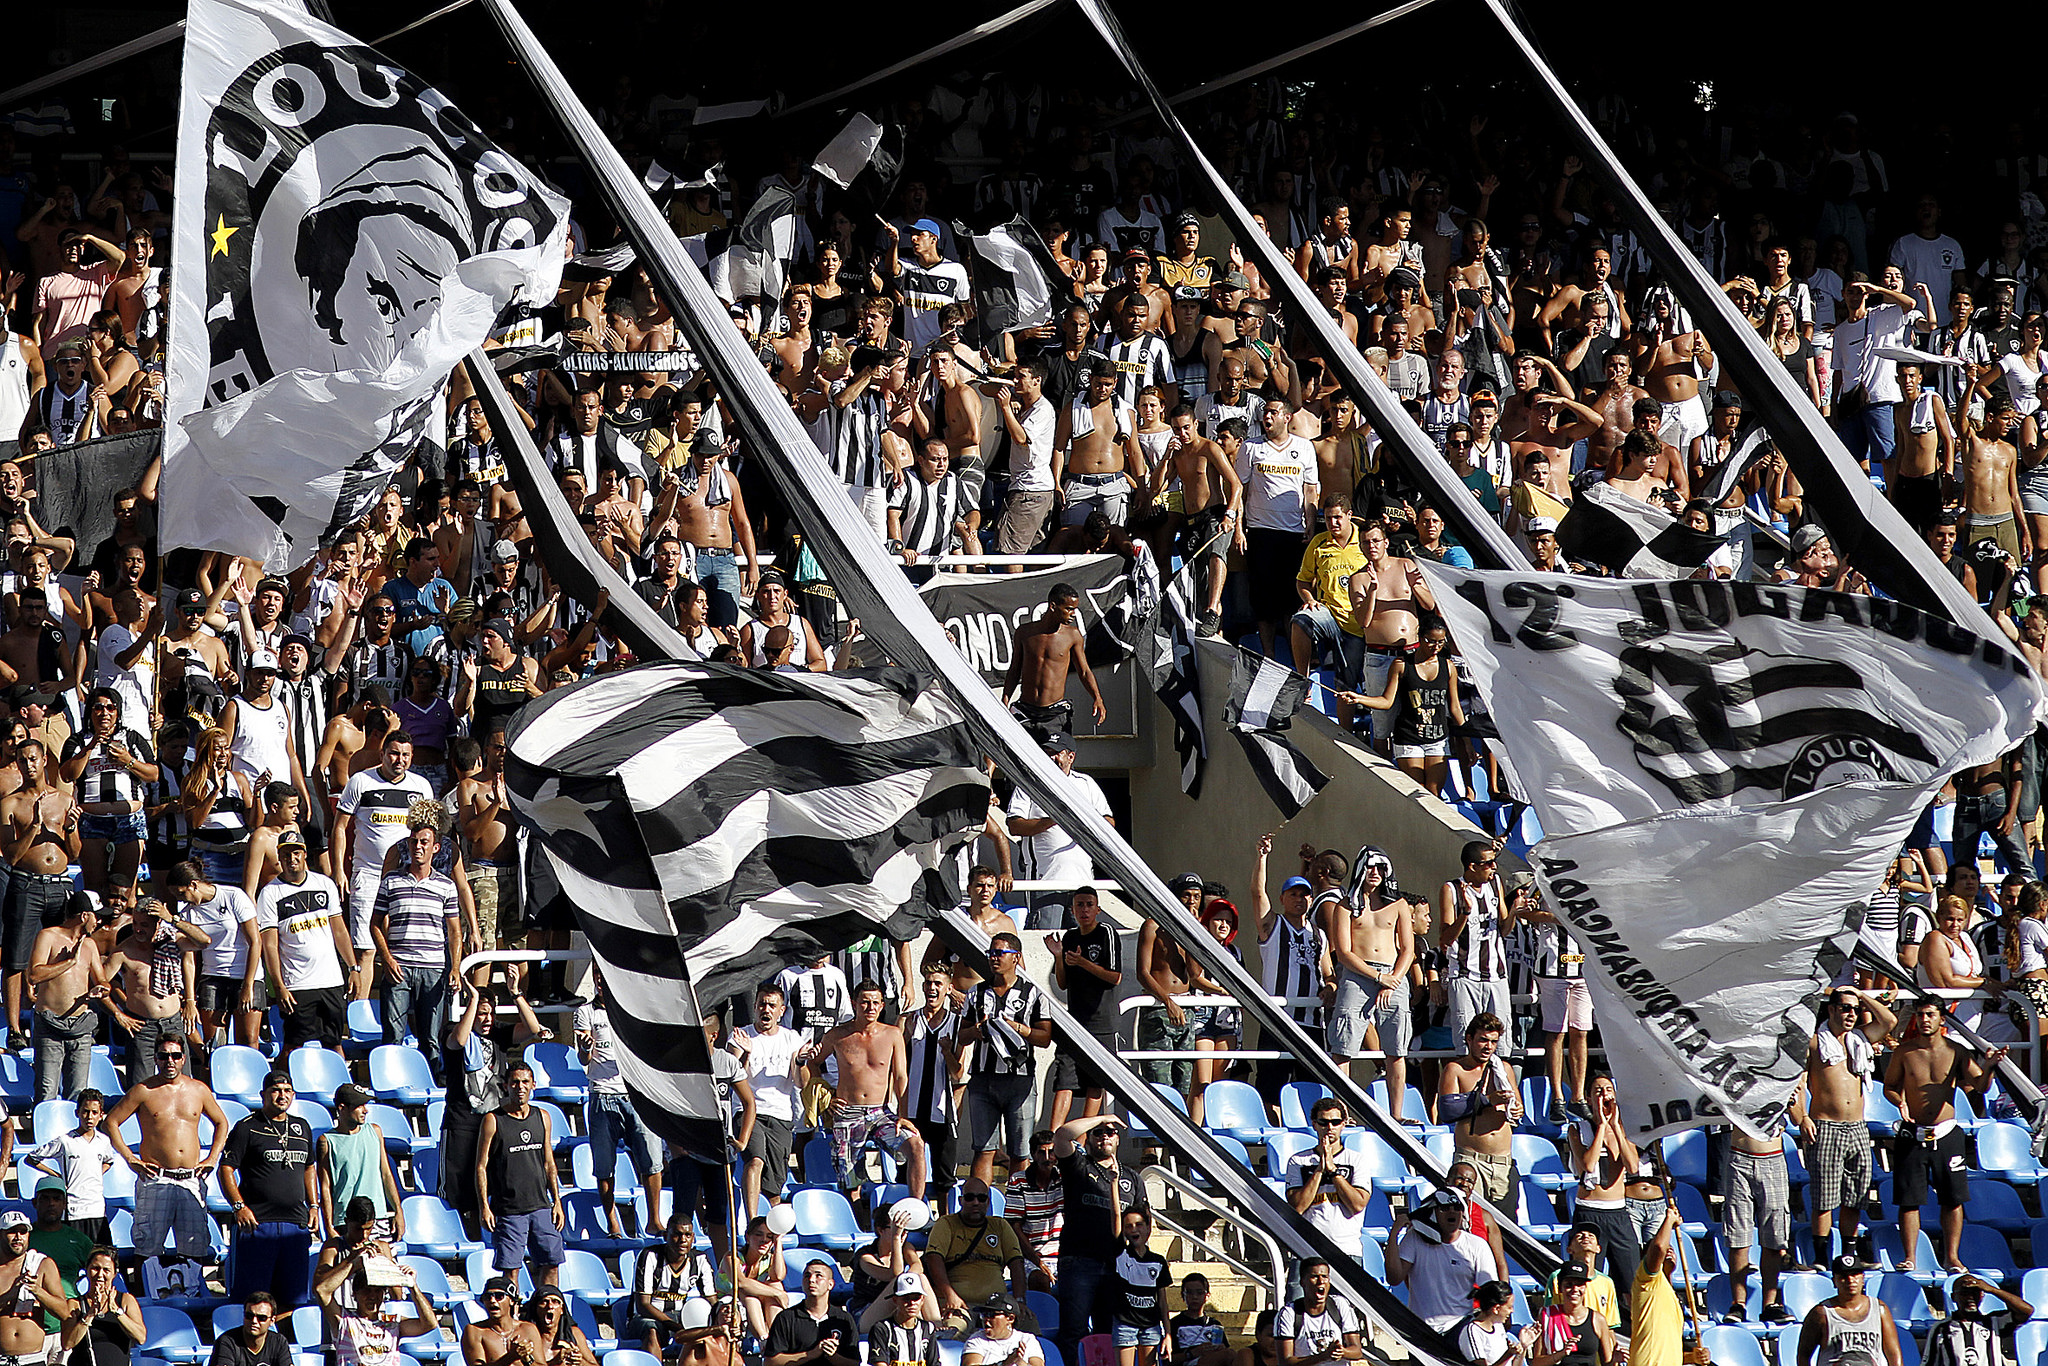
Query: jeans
[[1080, 1285], [615, 1126], [1869, 434], [719, 572], [415, 998], [64, 1048], [1980, 815], [277, 1257], [142, 1045], [999, 1103]]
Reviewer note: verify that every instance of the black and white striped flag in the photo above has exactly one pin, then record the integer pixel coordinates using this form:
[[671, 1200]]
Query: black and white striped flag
[[1626, 535], [1014, 275], [1264, 695], [1171, 669], [707, 822]]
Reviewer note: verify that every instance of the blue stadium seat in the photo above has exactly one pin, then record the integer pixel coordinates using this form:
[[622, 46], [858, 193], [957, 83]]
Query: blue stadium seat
[[303, 1326], [1046, 1309], [1232, 1107], [476, 1269], [1879, 1114], [399, 1076], [1295, 1099], [18, 1080], [1411, 1102], [581, 1314], [430, 1346], [1905, 1297], [1694, 1220], [238, 1073], [587, 1228], [1994, 1204], [426, 1171], [431, 1277], [1539, 1214], [101, 1076], [1383, 1166], [171, 1334], [583, 1276], [1891, 1251], [2034, 1285], [633, 1356], [399, 1139], [315, 1115], [1236, 1151], [824, 1218], [1719, 1292], [558, 1124], [796, 1259], [1686, 1155], [815, 1160], [434, 1230], [317, 1073], [365, 1027], [1987, 1254], [2005, 1152], [2029, 1340], [1050, 1350], [1283, 1146], [1731, 1346], [1536, 1106], [557, 1073], [1540, 1162], [118, 1186], [225, 1317], [1804, 1289]]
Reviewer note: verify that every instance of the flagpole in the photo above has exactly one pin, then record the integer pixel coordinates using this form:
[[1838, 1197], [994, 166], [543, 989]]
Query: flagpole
[[1866, 530], [979, 31]]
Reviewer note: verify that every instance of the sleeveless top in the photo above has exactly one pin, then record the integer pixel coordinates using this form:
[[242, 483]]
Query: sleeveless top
[[798, 633], [1424, 717], [353, 1160], [109, 1341], [1853, 1342], [499, 692], [226, 828], [518, 1163], [260, 745]]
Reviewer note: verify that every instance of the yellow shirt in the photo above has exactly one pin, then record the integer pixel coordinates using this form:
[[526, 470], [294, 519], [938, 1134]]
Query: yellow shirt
[[1657, 1327], [1327, 568], [976, 1258]]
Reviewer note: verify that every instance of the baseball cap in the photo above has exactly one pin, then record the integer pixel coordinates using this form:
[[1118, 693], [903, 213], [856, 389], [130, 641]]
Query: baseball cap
[[301, 638], [501, 1284], [1726, 398], [504, 552], [1807, 537], [502, 628], [1574, 1273], [928, 225], [1059, 742], [348, 1095], [995, 1304], [1539, 526], [909, 1284], [291, 837], [1186, 220], [1235, 280], [19, 695], [260, 661], [191, 597], [13, 1219], [1294, 882], [1848, 1264], [50, 1184], [1186, 882], [768, 576], [1220, 906]]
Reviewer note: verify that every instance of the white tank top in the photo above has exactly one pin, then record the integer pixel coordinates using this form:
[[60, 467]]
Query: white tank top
[[798, 633], [260, 740], [13, 387], [1853, 1342]]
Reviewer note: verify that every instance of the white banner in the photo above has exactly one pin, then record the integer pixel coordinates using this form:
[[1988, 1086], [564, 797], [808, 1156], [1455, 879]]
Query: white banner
[[1723, 770], [343, 236]]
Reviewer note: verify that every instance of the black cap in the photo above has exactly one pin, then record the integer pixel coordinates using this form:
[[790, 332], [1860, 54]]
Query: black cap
[[706, 443], [19, 695], [1058, 742], [997, 1304], [300, 638], [191, 597], [1848, 1264], [1574, 1273], [1186, 882]]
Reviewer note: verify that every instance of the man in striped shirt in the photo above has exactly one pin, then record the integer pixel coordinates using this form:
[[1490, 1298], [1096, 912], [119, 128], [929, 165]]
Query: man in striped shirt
[[1006, 1020], [415, 926], [930, 513], [1559, 968], [1473, 919]]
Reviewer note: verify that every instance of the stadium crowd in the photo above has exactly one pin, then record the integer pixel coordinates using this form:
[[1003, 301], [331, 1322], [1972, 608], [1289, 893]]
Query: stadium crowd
[[254, 824]]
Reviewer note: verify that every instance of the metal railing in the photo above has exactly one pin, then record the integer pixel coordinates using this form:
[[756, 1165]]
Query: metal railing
[[1247, 1231]]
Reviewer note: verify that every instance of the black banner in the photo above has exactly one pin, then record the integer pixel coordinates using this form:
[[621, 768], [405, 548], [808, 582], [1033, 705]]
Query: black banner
[[75, 485], [982, 613], [628, 362]]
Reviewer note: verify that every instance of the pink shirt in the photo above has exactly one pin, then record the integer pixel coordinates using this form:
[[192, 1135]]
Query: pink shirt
[[65, 302]]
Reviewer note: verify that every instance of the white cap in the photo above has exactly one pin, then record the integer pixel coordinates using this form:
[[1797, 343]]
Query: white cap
[[260, 659], [909, 1284], [1538, 526]]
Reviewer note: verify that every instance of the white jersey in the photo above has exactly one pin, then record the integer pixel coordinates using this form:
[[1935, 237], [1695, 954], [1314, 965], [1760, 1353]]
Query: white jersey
[[261, 740], [303, 917], [13, 387]]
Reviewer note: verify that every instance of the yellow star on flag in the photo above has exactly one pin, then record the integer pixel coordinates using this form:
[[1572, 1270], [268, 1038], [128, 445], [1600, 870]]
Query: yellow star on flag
[[220, 235]]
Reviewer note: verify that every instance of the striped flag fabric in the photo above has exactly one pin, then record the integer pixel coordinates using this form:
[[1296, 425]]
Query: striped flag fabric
[[1264, 695], [1175, 681], [1626, 535], [707, 822]]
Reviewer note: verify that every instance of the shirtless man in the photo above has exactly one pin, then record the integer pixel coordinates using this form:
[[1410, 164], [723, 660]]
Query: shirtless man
[[355, 739], [1202, 513], [1615, 402], [1836, 1138], [1264, 361], [1931, 1152], [31, 1286], [187, 635], [1991, 478], [1342, 447], [65, 977], [280, 813], [1045, 652], [1096, 460], [489, 855], [706, 509], [149, 1016], [874, 1075], [33, 650], [1388, 598], [1165, 972], [1639, 471], [1533, 419], [1922, 462], [1708, 453], [170, 1202], [1603, 1156], [950, 409], [41, 830], [502, 1337], [1568, 304], [134, 286], [1372, 946], [1671, 364], [989, 918], [1478, 1095], [1219, 329]]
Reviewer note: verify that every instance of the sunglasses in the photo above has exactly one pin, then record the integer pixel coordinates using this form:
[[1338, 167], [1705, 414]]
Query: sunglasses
[[169, 1056]]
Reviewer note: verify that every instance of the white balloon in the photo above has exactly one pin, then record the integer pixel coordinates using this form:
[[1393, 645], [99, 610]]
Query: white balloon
[[782, 1219], [696, 1313], [910, 1212]]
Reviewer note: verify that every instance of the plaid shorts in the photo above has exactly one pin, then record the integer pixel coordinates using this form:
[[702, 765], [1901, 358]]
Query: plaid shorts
[[853, 1128], [1759, 1200], [170, 1213], [1839, 1164]]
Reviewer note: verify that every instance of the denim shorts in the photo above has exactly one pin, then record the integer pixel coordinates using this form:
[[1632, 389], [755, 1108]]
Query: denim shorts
[[122, 827], [1131, 1335], [522, 1237]]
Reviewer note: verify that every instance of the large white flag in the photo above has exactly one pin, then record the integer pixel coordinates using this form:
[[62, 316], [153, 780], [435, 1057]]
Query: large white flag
[[1722, 771], [343, 236]]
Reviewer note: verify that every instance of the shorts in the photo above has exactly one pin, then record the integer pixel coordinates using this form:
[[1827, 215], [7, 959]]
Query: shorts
[[1392, 1019], [2002, 528], [1135, 1335], [1203, 536], [1923, 1165], [494, 889], [1496, 1174], [1759, 1199], [853, 1128], [2034, 491], [119, 827], [532, 1236], [1022, 524], [1042, 721], [1470, 996], [1272, 558], [1838, 1164], [1436, 749], [999, 1105], [224, 994], [1326, 635], [1918, 499], [769, 1145], [170, 1214], [363, 881], [1683, 421], [1072, 1072], [615, 1126], [1088, 492], [1567, 1003]]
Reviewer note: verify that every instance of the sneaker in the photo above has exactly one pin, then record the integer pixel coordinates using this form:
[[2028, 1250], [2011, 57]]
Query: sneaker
[[1557, 1115], [1735, 1314], [16, 1039], [1776, 1314], [1209, 625], [1578, 1109]]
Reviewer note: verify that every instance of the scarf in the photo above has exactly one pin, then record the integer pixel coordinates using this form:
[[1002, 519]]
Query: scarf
[[717, 494], [166, 963]]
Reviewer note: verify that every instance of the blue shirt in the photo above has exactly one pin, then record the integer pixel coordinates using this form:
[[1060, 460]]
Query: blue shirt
[[435, 597]]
